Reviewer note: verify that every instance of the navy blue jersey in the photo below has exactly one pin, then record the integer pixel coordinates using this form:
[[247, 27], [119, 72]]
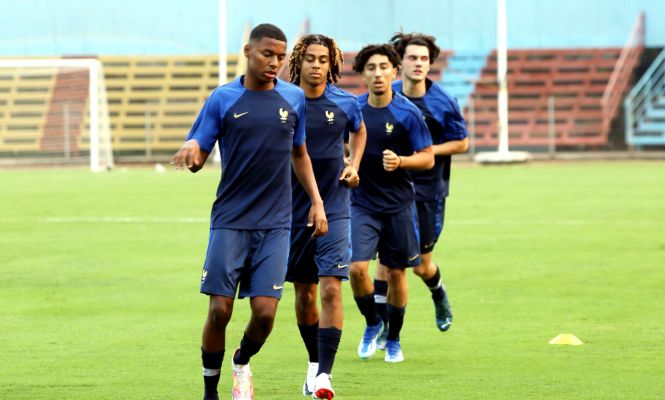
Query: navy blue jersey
[[445, 123], [329, 119], [398, 127], [256, 131]]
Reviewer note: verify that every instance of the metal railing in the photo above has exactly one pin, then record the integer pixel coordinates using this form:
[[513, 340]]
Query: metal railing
[[640, 105], [620, 79]]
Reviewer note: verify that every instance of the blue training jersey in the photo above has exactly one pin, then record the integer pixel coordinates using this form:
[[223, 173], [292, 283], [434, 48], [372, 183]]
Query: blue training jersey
[[330, 118], [256, 131], [398, 127], [446, 123]]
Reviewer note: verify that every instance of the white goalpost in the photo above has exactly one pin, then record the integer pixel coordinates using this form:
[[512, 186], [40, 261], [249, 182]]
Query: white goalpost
[[56, 112]]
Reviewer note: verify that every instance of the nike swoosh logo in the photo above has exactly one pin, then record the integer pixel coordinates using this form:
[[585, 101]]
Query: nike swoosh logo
[[414, 257], [239, 115], [275, 287], [340, 266]]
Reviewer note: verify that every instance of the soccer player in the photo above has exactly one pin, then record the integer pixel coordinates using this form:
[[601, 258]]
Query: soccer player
[[259, 123], [382, 206], [449, 135], [315, 64]]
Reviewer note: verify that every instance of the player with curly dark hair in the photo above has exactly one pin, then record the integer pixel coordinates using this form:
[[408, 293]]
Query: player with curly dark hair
[[382, 207]]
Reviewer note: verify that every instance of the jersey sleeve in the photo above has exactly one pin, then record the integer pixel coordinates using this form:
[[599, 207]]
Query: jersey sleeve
[[207, 127], [355, 118], [419, 134], [299, 129], [455, 127]]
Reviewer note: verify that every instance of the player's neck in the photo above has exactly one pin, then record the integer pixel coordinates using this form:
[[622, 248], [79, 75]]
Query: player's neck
[[380, 100], [252, 83], [414, 88], [312, 92]]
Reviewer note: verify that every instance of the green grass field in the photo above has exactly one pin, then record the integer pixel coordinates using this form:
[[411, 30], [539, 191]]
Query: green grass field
[[99, 299]]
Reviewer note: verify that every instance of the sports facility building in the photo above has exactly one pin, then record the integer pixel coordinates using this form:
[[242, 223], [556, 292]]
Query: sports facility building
[[585, 76]]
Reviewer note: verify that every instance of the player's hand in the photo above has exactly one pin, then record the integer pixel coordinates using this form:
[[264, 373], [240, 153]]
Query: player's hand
[[350, 177], [318, 220], [391, 161], [188, 156]]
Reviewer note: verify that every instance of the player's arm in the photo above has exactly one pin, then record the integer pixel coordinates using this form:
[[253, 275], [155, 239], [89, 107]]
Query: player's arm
[[420, 160], [202, 137], [455, 133], [451, 147], [302, 167], [357, 143], [190, 155]]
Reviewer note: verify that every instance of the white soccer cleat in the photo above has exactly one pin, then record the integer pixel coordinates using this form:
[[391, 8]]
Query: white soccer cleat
[[243, 387], [308, 386], [367, 346], [393, 352], [323, 388]]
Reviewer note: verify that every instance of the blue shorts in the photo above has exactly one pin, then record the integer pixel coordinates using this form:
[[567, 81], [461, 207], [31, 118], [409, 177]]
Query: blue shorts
[[328, 255], [430, 222], [393, 236], [255, 260]]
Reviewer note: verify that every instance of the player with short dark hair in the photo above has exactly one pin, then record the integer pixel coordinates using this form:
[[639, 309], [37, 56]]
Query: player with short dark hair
[[382, 206], [448, 129], [315, 64], [259, 123]]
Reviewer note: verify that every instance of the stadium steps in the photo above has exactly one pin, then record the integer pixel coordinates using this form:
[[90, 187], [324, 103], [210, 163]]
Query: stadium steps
[[70, 96], [153, 100], [24, 102], [574, 78]]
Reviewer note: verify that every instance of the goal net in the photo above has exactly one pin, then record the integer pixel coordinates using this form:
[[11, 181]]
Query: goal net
[[54, 111]]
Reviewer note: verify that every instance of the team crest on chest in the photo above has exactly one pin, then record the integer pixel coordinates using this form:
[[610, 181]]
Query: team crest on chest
[[389, 128], [331, 117], [283, 115]]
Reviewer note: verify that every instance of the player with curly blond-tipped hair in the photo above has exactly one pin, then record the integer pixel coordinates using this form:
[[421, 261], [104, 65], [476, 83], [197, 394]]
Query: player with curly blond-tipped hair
[[315, 64]]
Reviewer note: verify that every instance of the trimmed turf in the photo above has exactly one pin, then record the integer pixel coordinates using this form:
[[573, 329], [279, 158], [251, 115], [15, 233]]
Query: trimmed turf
[[99, 298]]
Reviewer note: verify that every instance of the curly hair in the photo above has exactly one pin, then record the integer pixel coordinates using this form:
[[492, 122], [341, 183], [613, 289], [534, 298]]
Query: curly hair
[[401, 40], [368, 51], [335, 56]]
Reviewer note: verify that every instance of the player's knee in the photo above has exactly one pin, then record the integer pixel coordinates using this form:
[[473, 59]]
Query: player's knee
[[357, 272], [420, 270], [331, 293], [263, 320], [305, 300], [219, 315], [396, 274]]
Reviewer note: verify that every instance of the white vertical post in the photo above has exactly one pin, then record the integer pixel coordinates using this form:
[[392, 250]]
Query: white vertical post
[[93, 98], [222, 61], [223, 50], [502, 69]]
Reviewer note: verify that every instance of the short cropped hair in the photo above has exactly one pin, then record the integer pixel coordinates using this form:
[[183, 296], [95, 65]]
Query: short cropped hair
[[368, 51], [401, 40], [267, 30]]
